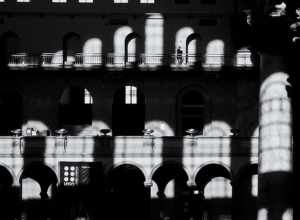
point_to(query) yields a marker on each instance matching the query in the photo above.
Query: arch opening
(132, 45)
(192, 48)
(128, 196)
(78, 98)
(41, 174)
(172, 191)
(128, 111)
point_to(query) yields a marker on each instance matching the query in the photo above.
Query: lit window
(120, 1)
(59, 1)
(85, 1)
(147, 1)
(23, 0)
(88, 99)
(243, 58)
(1, 0)
(130, 95)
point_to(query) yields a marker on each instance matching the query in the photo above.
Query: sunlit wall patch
(160, 128)
(275, 125)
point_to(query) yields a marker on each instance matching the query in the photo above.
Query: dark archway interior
(72, 98)
(128, 194)
(191, 111)
(6, 178)
(164, 174)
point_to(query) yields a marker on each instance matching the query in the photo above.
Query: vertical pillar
(161, 196)
(275, 145)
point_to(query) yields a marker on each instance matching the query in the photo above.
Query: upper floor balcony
(119, 61)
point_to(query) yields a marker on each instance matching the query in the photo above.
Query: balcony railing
(85, 61)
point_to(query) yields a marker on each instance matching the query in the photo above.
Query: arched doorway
(213, 183)
(132, 46)
(172, 191)
(192, 48)
(128, 110)
(129, 197)
(71, 46)
(9, 45)
(10, 112)
(191, 113)
(78, 98)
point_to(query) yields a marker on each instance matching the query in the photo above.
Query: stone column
(275, 122)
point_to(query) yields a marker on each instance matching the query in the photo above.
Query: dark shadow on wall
(245, 192)
(171, 169)
(9, 44)
(10, 112)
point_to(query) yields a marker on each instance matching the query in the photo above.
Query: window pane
(59, 1)
(147, 1)
(120, 1)
(130, 95)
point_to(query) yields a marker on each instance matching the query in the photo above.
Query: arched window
(192, 53)
(243, 58)
(181, 40)
(75, 107)
(119, 44)
(10, 112)
(128, 111)
(191, 111)
(92, 52)
(215, 53)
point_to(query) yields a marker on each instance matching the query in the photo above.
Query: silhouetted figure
(179, 55)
